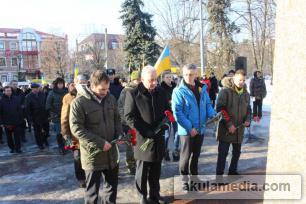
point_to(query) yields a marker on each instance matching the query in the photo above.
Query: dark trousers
(79, 172)
(222, 154)
(213, 103)
(189, 155)
(1, 134)
(41, 132)
(93, 179)
(13, 138)
(148, 172)
(257, 108)
(23, 135)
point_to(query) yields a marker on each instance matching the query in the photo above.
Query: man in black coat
(35, 108)
(11, 118)
(144, 110)
(115, 87)
(21, 95)
(214, 89)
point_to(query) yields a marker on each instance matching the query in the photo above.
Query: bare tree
(54, 57)
(259, 20)
(178, 26)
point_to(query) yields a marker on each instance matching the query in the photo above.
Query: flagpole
(202, 39)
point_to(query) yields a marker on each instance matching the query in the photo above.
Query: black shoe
(167, 157)
(18, 151)
(1, 142)
(176, 156)
(12, 151)
(41, 147)
(143, 200)
(23, 140)
(157, 201)
(132, 171)
(47, 143)
(82, 184)
(234, 173)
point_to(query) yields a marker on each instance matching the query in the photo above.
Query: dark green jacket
(239, 109)
(54, 104)
(94, 123)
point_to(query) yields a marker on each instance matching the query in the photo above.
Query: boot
(176, 155)
(167, 157)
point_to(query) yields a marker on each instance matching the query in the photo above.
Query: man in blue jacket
(191, 108)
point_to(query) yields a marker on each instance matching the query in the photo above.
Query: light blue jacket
(187, 112)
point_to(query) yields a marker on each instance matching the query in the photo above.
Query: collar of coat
(228, 82)
(87, 93)
(143, 90)
(199, 85)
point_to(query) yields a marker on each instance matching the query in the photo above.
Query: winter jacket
(188, 112)
(94, 123)
(10, 110)
(258, 88)
(144, 111)
(168, 90)
(121, 101)
(65, 128)
(35, 108)
(54, 104)
(238, 108)
(214, 89)
(19, 93)
(115, 89)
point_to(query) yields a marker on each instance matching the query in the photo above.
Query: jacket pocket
(93, 116)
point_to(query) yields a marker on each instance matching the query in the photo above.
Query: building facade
(20, 53)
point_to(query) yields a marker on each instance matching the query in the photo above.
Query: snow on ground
(44, 176)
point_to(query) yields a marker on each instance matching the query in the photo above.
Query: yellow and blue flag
(163, 63)
(76, 70)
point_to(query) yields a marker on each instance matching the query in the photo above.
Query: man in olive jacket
(234, 102)
(144, 110)
(95, 121)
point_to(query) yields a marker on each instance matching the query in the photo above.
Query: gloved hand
(164, 127)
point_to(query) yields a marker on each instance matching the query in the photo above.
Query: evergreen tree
(222, 30)
(139, 44)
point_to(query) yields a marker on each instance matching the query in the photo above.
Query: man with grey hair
(144, 110)
(79, 80)
(191, 108)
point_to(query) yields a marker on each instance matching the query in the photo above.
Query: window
(14, 62)
(13, 46)
(3, 78)
(29, 42)
(115, 45)
(2, 62)
(1, 45)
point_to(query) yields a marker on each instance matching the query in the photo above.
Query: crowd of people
(93, 112)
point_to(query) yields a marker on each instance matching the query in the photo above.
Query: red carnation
(225, 115)
(169, 116)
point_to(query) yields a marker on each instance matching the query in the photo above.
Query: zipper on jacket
(238, 117)
(153, 107)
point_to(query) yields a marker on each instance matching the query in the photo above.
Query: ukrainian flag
(163, 63)
(76, 70)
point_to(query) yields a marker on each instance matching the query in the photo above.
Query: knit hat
(135, 75)
(34, 85)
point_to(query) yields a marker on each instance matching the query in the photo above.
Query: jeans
(173, 130)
